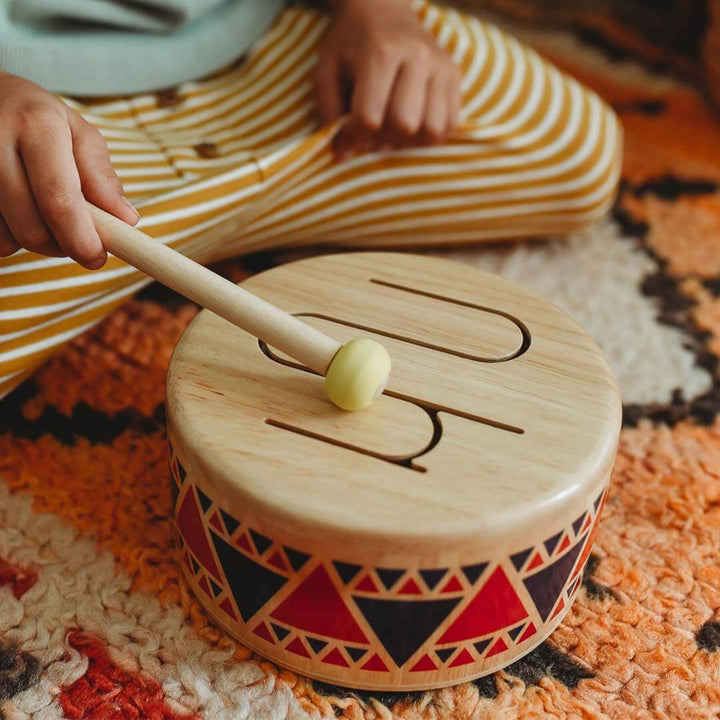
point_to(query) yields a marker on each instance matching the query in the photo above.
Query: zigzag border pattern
(343, 616)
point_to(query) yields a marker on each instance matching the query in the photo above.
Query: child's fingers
(437, 113)
(408, 100)
(18, 208)
(328, 87)
(46, 151)
(8, 244)
(454, 97)
(354, 138)
(374, 80)
(100, 184)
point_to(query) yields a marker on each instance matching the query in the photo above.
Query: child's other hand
(50, 160)
(378, 64)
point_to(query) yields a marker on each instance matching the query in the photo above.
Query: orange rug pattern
(97, 622)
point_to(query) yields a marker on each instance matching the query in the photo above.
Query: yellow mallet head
(357, 374)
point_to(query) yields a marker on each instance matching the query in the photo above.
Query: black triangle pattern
(215, 587)
(545, 586)
(551, 543)
(182, 473)
(515, 631)
(297, 559)
(316, 644)
(195, 565)
(518, 559)
(473, 572)
(390, 620)
(578, 523)
(280, 631)
(355, 653)
(242, 573)
(347, 571)
(174, 492)
(433, 577)
(231, 524)
(445, 653)
(482, 645)
(261, 542)
(597, 500)
(205, 501)
(389, 576)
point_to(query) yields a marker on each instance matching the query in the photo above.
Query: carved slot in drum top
(486, 326)
(429, 407)
(400, 461)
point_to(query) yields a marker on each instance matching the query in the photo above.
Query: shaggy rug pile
(97, 622)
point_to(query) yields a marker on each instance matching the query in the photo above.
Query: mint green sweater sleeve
(118, 47)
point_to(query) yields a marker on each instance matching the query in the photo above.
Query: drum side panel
(392, 625)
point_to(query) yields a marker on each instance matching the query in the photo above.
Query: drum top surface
(500, 412)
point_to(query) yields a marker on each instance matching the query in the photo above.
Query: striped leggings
(237, 163)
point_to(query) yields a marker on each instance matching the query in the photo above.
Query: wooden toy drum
(436, 536)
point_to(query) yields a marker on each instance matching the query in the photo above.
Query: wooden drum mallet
(355, 372)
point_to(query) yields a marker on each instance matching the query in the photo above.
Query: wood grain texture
(497, 431)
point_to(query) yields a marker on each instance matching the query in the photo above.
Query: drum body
(433, 538)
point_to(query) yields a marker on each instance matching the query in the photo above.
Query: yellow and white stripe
(238, 163)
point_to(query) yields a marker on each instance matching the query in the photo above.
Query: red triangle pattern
(452, 585)
(277, 561)
(464, 658)
(316, 607)
(205, 586)
(564, 545)
(263, 631)
(495, 606)
(499, 646)
(537, 561)
(227, 608)
(191, 527)
(410, 588)
(216, 522)
(335, 658)
(530, 630)
(366, 585)
(375, 663)
(244, 543)
(558, 609)
(297, 647)
(424, 663)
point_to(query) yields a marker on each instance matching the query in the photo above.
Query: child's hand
(50, 157)
(379, 64)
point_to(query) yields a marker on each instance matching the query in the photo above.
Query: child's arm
(378, 64)
(50, 157)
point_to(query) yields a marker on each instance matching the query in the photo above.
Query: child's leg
(536, 154)
(236, 163)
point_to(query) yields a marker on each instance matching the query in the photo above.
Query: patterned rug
(97, 622)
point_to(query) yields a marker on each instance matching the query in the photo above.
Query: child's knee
(597, 179)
